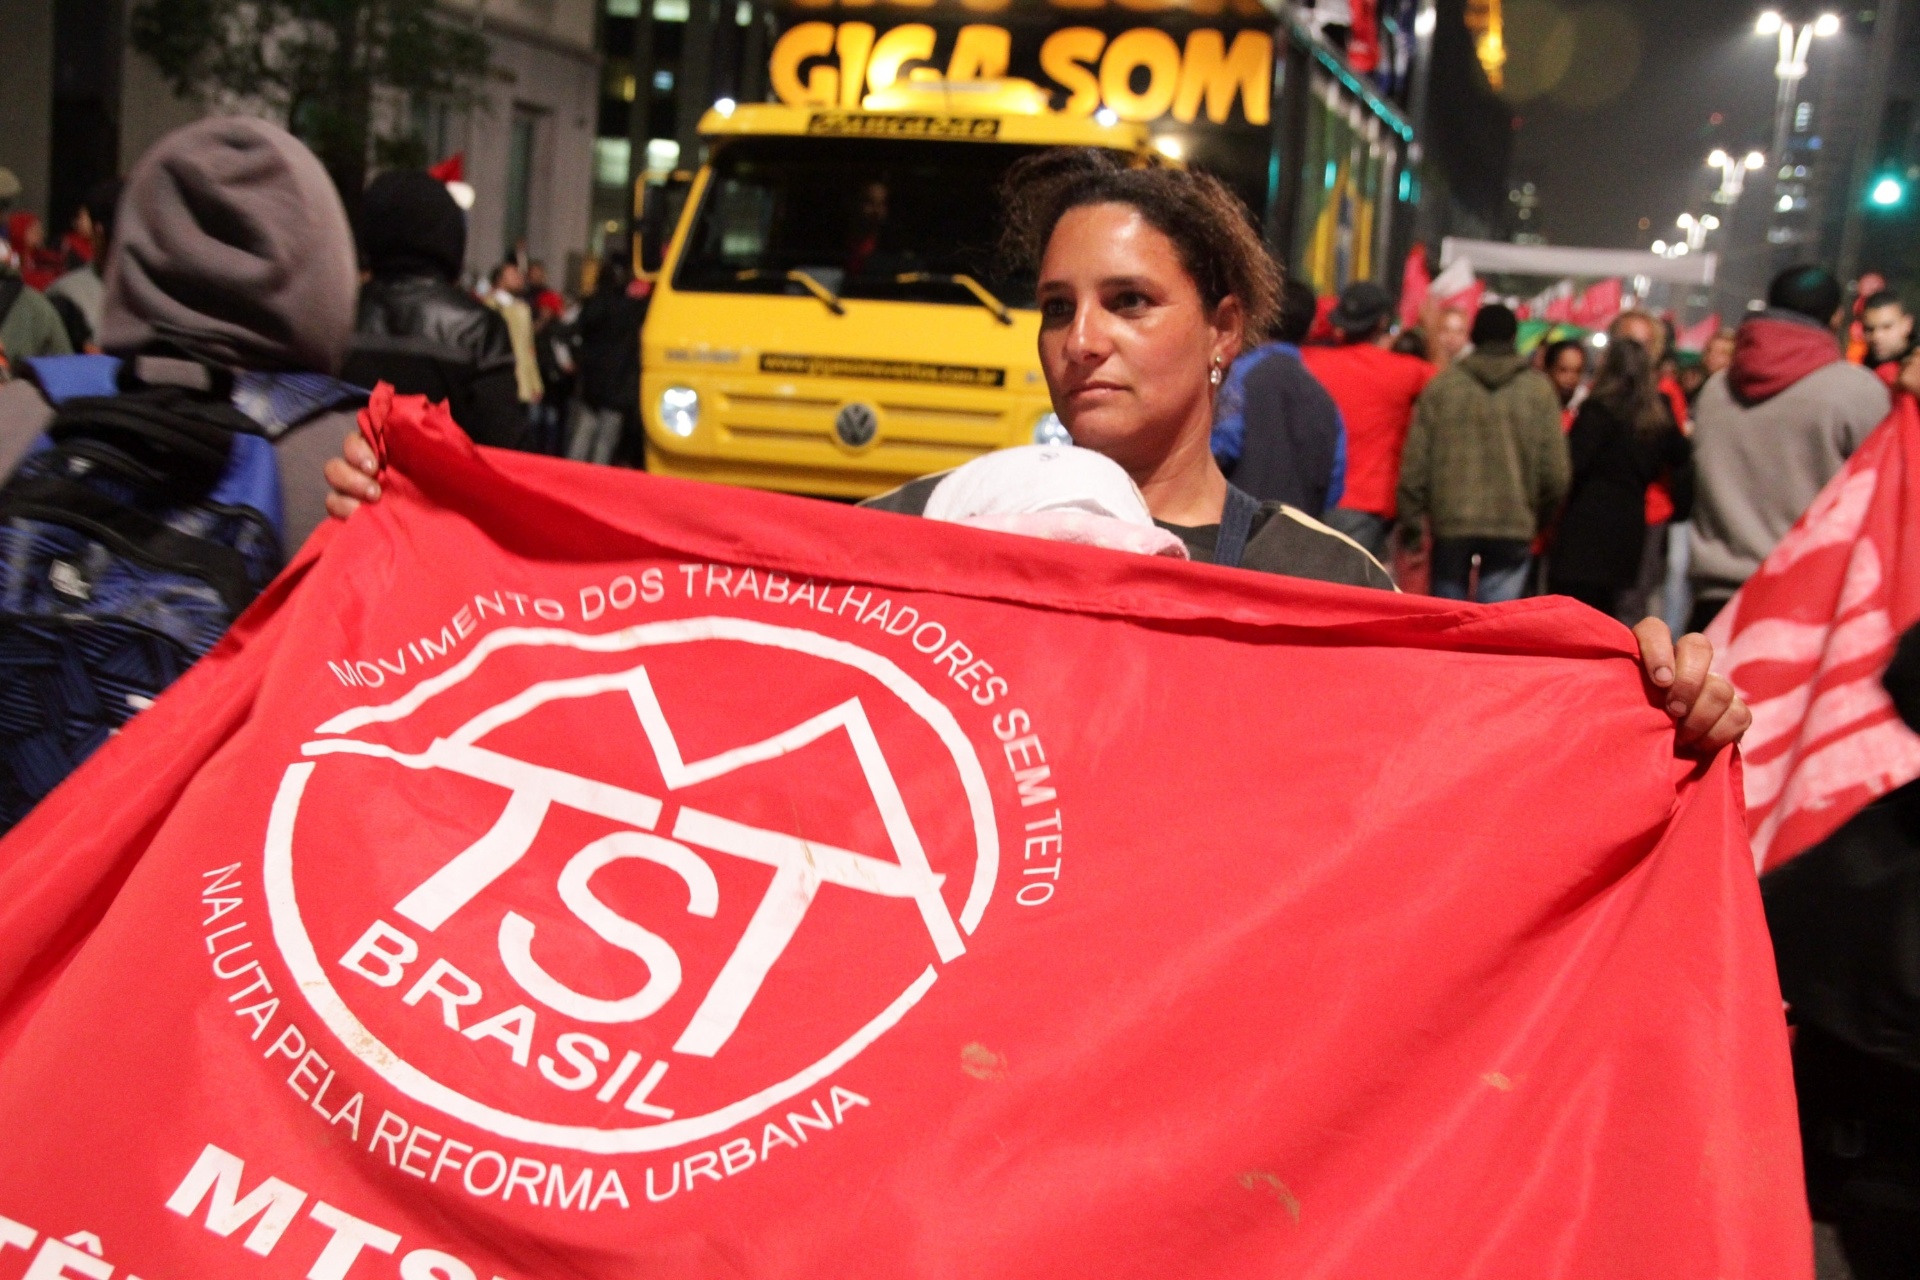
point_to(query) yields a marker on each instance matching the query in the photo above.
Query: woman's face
(1126, 341)
(1568, 368)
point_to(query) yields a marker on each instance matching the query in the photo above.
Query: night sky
(1617, 100)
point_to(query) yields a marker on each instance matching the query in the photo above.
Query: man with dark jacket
(418, 330)
(1845, 920)
(1772, 430)
(1276, 432)
(1486, 463)
(608, 330)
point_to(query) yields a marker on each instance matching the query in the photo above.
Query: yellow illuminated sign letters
(844, 62)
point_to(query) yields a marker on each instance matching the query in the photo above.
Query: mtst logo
(622, 892)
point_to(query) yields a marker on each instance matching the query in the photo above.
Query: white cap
(1035, 478)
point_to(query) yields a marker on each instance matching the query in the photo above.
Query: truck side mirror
(653, 231)
(657, 213)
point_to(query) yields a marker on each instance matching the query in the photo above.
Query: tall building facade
(78, 106)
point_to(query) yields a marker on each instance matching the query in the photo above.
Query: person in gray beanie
(233, 263)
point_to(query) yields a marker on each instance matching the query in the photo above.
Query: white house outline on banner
(800, 866)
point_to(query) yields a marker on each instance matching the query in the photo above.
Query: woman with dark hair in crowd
(1623, 439)
(1565, 364)
(1148, 281)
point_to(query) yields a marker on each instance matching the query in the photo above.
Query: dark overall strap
(1236, 525)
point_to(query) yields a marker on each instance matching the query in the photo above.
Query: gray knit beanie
(232, 246)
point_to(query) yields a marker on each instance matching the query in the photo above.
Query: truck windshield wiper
(805, 281)
(967, 282)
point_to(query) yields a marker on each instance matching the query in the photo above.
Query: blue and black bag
(131, 537)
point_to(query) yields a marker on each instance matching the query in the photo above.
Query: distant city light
(1888, 192)
(1680, 251)
(1659, 246)
(1425, 21)
(1755, 159)
(1599, 339)
(1719, 159)
(1827, 24)
(1769, 24)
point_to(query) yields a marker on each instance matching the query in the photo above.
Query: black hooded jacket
(418, 330)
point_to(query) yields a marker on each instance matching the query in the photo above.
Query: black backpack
(131, 537)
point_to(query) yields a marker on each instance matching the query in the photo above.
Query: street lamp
(1791, 69)
(1696, 229)
(1733, 173)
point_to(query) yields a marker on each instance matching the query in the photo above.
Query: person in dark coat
(1623, 438)
(415, 327)
(1276, 431)
(607, 331)
(1845, 919)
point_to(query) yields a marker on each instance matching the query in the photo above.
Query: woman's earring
(1214, 377)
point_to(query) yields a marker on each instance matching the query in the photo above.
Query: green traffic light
(1888, 192)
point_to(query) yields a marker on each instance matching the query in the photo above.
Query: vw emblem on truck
(856, 425)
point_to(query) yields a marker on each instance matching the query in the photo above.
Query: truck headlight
(1048, 429)
(680, 410)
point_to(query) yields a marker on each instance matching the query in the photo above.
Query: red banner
(1415, 283)
(564, 872)
(1696, 337)
(1809, 636)
(1363, 38)
(1598, 305)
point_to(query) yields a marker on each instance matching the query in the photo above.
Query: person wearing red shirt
(1375, 389)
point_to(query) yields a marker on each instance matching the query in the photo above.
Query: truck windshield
(855, 216)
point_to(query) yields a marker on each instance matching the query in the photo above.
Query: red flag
(1808, 637)
(567, 872)
(1468, 299)
(1696, 337)
(1598, 305)
(1414, 286)
(1363, 38)
(1458, 288)
(1560, 305)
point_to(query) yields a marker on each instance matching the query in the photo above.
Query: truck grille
(945, 434)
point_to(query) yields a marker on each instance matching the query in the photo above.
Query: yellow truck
(828, 317)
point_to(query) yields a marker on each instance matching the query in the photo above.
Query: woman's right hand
(350, 477)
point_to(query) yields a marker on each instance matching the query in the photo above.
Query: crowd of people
(1329, 440)
(1617, 470)
(523, 366)
(217, 319)
(1464, 466)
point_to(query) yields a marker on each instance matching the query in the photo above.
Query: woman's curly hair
(1209, 225)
